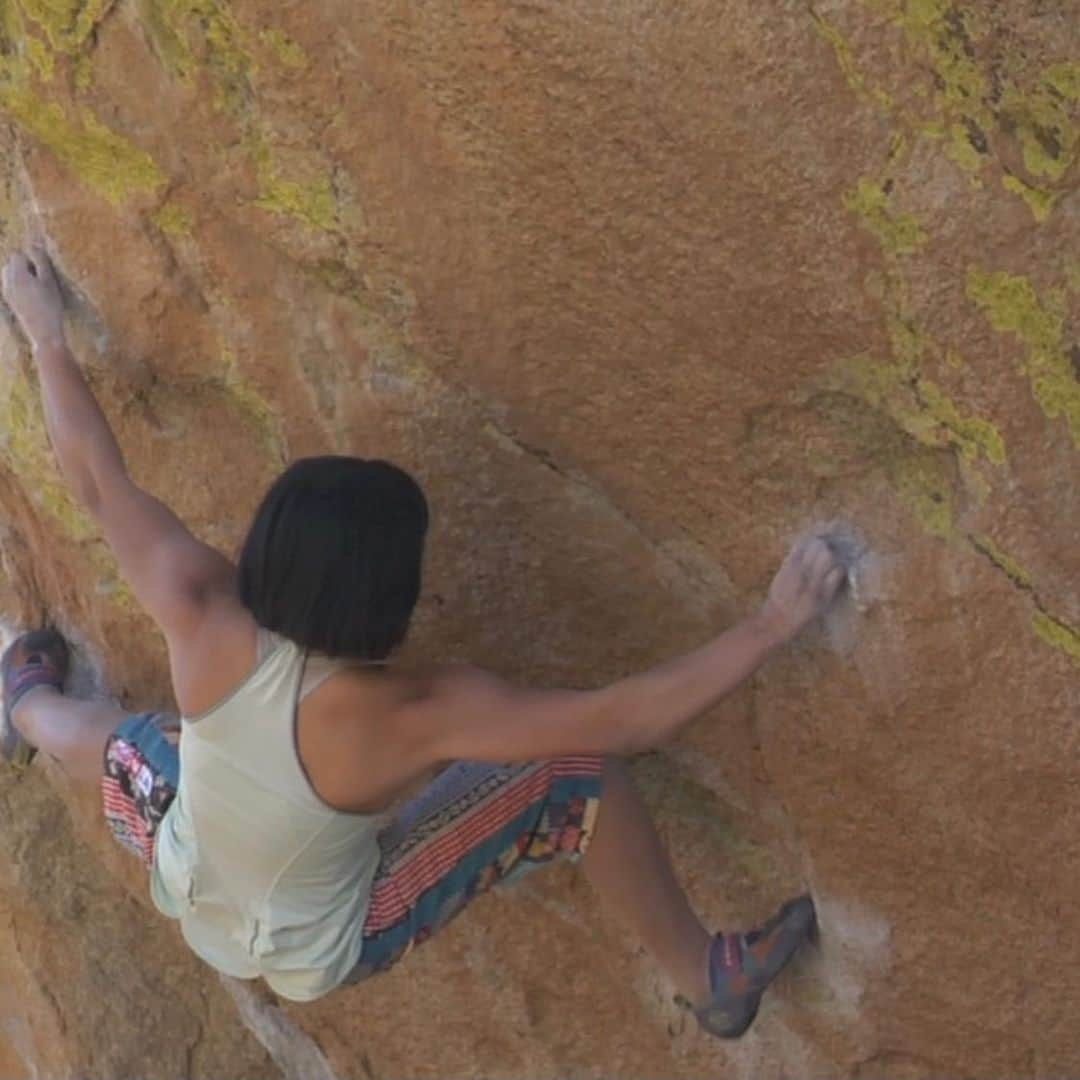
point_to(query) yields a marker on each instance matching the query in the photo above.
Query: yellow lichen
(1012, 305)
(960, 150)
(941, 31)
(25, 445)
(252, 406)
(1057, 633)
(1001, 559)
(172, 219)
(909, 343)
(165, 23)
(927, 492)
(27, 451)
(170, 24)
(1040, 121)
(288, 52)
(970, 435)
(311, 202)
(1041, 203)
(897, 232)
(98, 156)
(66, 23)
(40, 57)
(846, 60)
(921, 409)
(1072, 272)
(1064, 79)
(83, 72)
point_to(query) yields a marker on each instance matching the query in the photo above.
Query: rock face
(639, 291)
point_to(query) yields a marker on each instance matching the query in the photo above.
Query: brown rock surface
(639, 290)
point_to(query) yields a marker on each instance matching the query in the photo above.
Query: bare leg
(628, 866)
(72, 732)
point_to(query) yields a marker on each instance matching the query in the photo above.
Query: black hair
(333, 557)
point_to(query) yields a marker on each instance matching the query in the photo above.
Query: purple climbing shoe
(741, 966)
(39, 658)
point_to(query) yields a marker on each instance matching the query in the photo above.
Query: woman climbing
(260, 812)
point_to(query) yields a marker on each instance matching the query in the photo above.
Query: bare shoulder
(354, 738)
(448, 684)
(214, 655)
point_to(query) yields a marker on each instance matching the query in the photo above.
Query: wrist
(770, 626)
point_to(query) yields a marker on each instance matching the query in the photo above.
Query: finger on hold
(40, 263)
(835, 578)
(822, 559)
(801, 547)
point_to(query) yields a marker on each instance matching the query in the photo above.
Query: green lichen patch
(1064, 79)
(252, 407)
(173, 219)
(1058, 634)
(25, 448)
(287, 51)
(40, 56)
(921, 469)
(66, 23)
(24, 444)
(986, 546)
(1041, 203)
(972, 436)
(1041, 120)
(849, 68)
(921, 409)
(927, 490)
(941, 32)
(1072, 272)
(1012, 305)
(311, 202)
(897, 232)
(960, 149)
(172, 24)
(98, 156)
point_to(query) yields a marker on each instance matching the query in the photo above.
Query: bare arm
(168, 568)
(471, 714)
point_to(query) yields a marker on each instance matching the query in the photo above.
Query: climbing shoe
(39, 658)
(741, 966)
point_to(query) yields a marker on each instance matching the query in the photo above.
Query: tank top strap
(265, 642)
(317, 669)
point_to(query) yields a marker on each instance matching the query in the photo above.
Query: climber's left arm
(171, 572)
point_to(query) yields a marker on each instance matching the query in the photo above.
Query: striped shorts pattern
(474, 827)
(142, 771)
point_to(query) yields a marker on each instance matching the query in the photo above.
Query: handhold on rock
(849, 545)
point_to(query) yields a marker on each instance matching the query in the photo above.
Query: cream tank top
(264, 877)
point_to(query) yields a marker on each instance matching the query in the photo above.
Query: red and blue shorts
(473, 827)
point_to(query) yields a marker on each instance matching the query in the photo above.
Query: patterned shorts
(473, 827)
(142, 771)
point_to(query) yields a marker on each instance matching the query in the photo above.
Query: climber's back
(267, 853)
(265, 877)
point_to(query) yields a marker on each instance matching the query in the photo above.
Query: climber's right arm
(170, 571)
(470, 714)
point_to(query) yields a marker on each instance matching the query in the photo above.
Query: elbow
(87, 495)
(620, 727)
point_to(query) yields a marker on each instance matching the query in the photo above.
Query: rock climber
(263, 811)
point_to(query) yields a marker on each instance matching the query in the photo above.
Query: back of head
(333, 557)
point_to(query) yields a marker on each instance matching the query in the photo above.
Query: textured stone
(640, 291)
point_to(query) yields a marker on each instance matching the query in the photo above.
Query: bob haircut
(333, 557)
